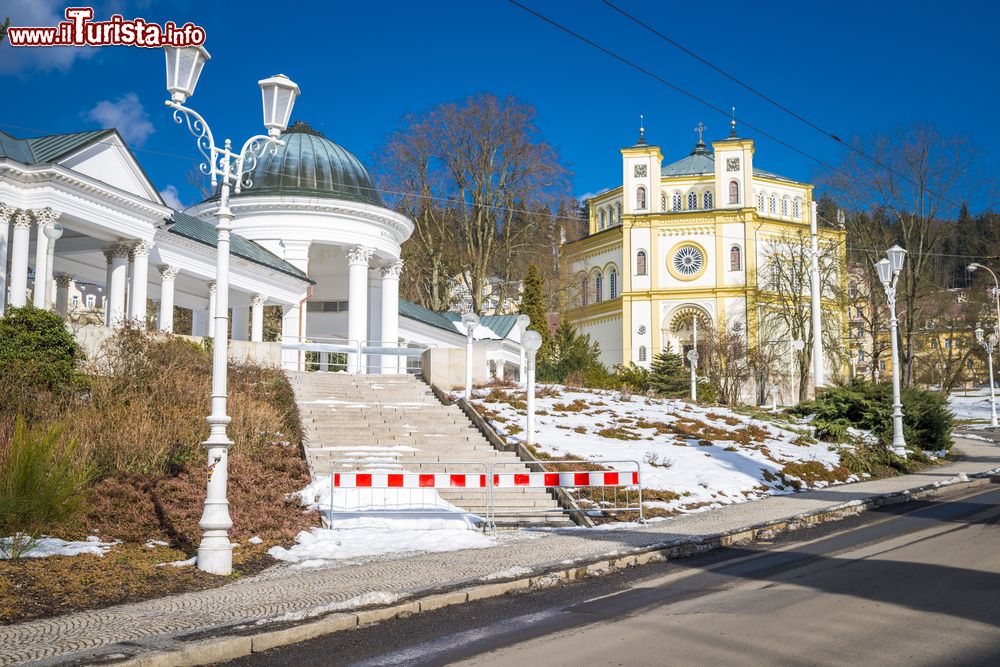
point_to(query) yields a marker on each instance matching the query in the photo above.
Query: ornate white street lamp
(184, 65)
(888, 273)
(819, 373)
(471, 321)
(531, 341)
(522, 322)
(989, 344)
(996, 289)
(692, 357)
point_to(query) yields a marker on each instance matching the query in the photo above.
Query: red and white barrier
(406, 480)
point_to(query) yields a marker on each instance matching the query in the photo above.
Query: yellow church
(686, 245)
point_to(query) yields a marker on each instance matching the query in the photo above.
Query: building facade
(689, 245)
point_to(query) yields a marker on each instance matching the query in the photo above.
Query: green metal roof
(499, 324)
(204, 232)
(701, 162)
(43, 150)
(310, 164)
(427, 316)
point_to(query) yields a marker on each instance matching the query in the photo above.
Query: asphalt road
(917, 584)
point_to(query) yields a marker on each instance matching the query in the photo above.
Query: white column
(211, 308)
(357, 302)
(257, 318)
(390, 314)
(19, 260)
(167, 275)
(42, 218)
(118, 253)
(6, 215)
(107, 288)
(140, 280)
(241, 323)
(62, 281)
(498, 369)
(53, 232)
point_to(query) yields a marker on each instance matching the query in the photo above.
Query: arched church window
(613, 283)
(734, 192)
(642, 353)
(640, 263)
(598, 288)
(760, 202)
(708, 200)
(772, 205)
(663, 201)
(784, 207)
(619, 218)
(692, 200)
(797, 209)
(735, 259)
(602, 223)
(675, 201)
(585, 291)
(640, 198)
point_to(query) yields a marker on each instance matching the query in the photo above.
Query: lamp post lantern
(531, 341)
(989, 344)
(996, 289)
(471, 321)
(184, 66)
(522, 322)
(889, 269)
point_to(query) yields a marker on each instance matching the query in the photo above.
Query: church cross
(701, 128)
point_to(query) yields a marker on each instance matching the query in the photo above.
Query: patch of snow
(152, 544)
(509, 573)
(319, 545)
(971, 405)
(255, 540)
(53, 546)
(193, 560)
(365, 600)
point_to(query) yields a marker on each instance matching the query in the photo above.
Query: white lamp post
(989, 344)
(522, 321)
(996, 288)
(184, 65)
(888, 273)
(53, 232)
(471, 321)
(817, 329)
(531, 341)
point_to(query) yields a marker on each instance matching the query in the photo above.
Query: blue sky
(852, 67)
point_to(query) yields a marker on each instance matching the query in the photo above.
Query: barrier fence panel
(362, 486)
(606, 490)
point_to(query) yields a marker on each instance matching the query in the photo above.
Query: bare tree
(728, 364)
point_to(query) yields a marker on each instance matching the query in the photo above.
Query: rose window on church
(688, 261)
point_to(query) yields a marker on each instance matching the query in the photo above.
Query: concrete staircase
(398, 420)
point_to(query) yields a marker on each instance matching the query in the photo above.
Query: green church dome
(309, 164)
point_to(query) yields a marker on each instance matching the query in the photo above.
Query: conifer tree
(668, 377)
(533, 305)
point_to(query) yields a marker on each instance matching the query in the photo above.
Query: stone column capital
(141, 248)
(6, 212)
(63, 279)
(117, 251)
(168, 272)
(22, 220)
(359, 255)
(392, 270)
(44, 216)
(257, 300)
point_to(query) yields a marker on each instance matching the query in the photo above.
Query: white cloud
(41, 13)
(172, 197)
(127, 115)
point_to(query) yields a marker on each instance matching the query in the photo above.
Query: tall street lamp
(989, 344)
(471, 321)
(184, 65)
(819, 373)
(692, 357)
(522, 323)
(531, 341)
(996, 288)
(888, 273)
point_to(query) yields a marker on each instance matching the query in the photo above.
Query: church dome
(309, 164)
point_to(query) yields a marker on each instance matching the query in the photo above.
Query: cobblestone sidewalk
(284, 593)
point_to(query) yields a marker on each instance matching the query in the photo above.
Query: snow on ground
(971, 405)
(53, 546)
(705, 457)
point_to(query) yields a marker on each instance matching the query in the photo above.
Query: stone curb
(218, 649)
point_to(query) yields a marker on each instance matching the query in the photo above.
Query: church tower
(641, 176)
(734, 170)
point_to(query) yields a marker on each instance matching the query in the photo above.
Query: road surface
(918, 584)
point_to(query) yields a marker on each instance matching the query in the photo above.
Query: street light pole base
(215, 554)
